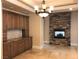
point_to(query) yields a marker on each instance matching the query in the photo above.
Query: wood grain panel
(15, 21)
(6, 50)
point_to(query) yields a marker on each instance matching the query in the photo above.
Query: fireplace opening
(59, 33)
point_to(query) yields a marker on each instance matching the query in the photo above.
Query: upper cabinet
(14, 21)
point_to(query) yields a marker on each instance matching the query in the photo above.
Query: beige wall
(36, 31)
(34, 28)
(74, 28)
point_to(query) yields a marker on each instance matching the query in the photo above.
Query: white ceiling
(58, 4)
(49, 2)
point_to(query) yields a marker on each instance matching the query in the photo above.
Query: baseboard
(37, 47)
(74, 44)
(46, 41)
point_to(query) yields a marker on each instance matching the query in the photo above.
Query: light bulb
(43, 6)
(70, 9)
(35, 7)
(51, 8)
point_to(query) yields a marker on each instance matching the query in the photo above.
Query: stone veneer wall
(62, 21)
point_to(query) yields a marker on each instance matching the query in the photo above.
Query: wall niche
(60, 21)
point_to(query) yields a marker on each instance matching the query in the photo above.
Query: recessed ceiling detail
(49, 2)
(58, 4)
(28, 5)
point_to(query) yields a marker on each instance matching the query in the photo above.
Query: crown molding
(66, 4)
(14, 11)
(62, 5)
(26, 4)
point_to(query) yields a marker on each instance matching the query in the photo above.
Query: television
(59, 33)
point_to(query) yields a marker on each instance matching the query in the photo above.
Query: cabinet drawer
(6, 50)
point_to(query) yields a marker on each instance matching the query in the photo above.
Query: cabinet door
(13, 20)
(17, 47)
(21, 46)
(28, 43)
(26, 25)
(9, 21)
(4, 20)
(21, 22)
(14, 48)
(6, 50)
(4, 26)
(16, 21)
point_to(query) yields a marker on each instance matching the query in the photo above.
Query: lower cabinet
(28, 43)
(6, 50)
(21, 46)
(16, 47)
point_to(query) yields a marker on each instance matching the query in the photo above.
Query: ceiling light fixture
(70, 9)
(43, 11)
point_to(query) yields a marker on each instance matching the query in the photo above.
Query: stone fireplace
(59, 28)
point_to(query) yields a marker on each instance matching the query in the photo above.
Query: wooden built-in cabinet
(6, 50)
(14, 21)
(13, 47)
(17, 47)
(28, 43)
